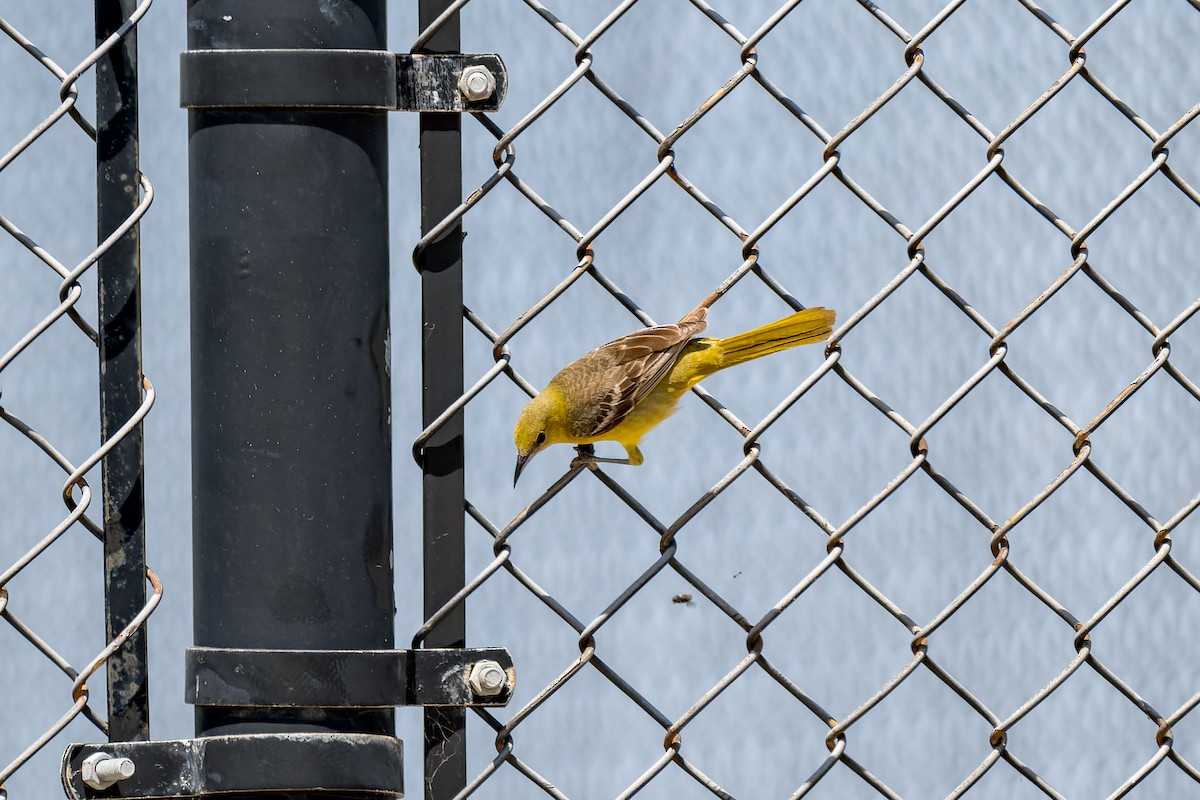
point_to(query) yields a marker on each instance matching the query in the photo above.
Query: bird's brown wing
(627, 369)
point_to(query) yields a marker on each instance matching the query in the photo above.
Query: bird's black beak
(521, 462)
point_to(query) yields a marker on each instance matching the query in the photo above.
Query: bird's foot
(587, 458)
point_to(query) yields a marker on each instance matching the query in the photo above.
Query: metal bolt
(476, 83)
(487, 678)
(100, 770)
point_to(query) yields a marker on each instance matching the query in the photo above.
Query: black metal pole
(120, 329)
(442, 381)
(291, 438)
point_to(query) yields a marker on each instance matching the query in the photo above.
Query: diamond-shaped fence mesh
(946, 556)
(44, 334)
(930, 583)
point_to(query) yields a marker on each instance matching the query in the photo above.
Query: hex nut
(487, 678)
(101, 770)
(476, 83)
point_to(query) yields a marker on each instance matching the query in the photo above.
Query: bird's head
(541, 424)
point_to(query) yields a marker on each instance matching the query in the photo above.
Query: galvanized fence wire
(77, 493)
(913, 76)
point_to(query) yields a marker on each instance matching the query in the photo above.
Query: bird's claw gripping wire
(586, 457)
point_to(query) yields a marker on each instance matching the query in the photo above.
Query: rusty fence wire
(1001, 729)
(51, 345)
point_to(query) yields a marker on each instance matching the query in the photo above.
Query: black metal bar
(291, 430)
(288, 78)
(246, 766)
(350, 79)
(343, 678)
(120, 328)
(442, 379)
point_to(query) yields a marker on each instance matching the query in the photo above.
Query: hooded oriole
(620, 391)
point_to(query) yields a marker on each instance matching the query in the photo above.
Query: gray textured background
(751, 545)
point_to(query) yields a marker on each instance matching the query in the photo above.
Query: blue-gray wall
(751, 545)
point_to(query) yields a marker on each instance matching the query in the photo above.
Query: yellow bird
(620, 391)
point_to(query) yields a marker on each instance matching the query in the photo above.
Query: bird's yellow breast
(660, 404)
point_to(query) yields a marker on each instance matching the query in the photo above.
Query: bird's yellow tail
(803, 327)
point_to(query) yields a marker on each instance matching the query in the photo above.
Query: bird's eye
(541, 437)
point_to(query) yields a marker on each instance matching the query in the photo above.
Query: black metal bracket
(341, 79)
(482, 676)
(248, 764)
(232, 766)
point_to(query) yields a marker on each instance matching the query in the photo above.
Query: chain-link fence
(956, 537)
(50, 340)
(939, 561)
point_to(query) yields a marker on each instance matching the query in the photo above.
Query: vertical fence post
(120, 326)
(291, 428)
(442, 381)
